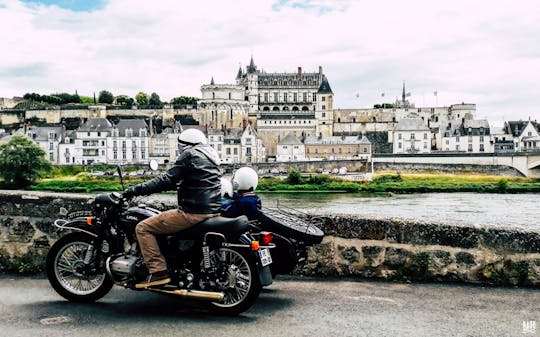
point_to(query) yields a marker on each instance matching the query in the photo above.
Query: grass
(79, 181)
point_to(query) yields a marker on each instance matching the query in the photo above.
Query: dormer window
(129, 133)
(142, 132)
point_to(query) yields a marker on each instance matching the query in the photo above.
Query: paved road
(290, 307)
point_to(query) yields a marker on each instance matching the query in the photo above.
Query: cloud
(460, 48)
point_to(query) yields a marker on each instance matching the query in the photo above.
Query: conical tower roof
(252, 67)
(324, 88)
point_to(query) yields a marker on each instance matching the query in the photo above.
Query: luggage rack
(294, 219)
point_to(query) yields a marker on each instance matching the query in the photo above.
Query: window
(399, 145)
(52, 135)
(235, 151)
(457, 138)
(129, 133)
(314, 97)
(481, 139)
(228, 151)
(412, 136)
(295, 97)
(230, 96)
(324, 107)
(276, 96)
(324, 113)
(470, 139)
(265, 97)
(399, 136)
(51, 146)
(304, 97)
(284, 147)
(323, 98)
(285, 96)
(457, 147)
(143, 133)
(481, 147)
(447, 141)
(425, 135)
(470, 148)
(425, 145)
(51, 156)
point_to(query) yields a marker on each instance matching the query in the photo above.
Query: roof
(476, 126)
(290, 139)
(411, 124)
(347, 140)
(134, 124)
(42, 132)
(233, 133)
(516, 127)
(324, 88)
(96, 124)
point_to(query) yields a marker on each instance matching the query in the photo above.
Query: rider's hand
(130, 192)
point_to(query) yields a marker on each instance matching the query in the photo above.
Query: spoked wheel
(238, 279)
(70, 276)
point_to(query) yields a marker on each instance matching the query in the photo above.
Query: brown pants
(167, 222)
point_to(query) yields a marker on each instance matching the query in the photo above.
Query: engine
(126, 267)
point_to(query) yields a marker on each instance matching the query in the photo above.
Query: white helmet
(245, 179)
(192, 137)
(226, 188)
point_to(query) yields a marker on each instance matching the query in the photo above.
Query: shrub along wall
(391, 249)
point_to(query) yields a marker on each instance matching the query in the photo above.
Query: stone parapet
(386, 248)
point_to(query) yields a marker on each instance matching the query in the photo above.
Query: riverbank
(294, 182)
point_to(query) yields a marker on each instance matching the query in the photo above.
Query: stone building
(290, 148)
(468, 136)
(411, 135)
(526, 135)
(337, 147)
(128, 142)
(48, 138)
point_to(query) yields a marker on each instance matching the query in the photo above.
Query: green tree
(105, 97)
(141, 98)
(154, 99)
(124, 100)
(184, 100)
(22, 161)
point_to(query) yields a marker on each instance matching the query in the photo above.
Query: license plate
(266, 258)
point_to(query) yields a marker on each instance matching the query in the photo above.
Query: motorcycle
(222, 261)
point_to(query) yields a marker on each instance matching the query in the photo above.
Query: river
(516, 210)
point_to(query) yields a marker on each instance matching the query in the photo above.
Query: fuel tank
(133, 215)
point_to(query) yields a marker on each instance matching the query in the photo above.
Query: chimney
(244, 124)
(299, 72)
(320, 70)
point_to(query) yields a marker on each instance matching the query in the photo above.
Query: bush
(294, 177)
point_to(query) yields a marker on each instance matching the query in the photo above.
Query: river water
(521, 210)
(516, 210)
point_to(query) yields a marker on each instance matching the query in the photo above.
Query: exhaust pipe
(194, 294)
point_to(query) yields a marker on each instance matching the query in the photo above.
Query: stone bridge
(527, 164)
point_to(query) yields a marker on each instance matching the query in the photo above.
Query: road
(290, 307)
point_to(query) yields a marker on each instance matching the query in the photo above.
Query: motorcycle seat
(230, 227)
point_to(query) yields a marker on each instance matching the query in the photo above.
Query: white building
(91, 141)
(526, 135)
(128, 142)
(253, 150)
(290, 148)
(48, 138)
(468, 136)
(411, 135)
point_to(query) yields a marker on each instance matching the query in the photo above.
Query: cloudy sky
(483, 52)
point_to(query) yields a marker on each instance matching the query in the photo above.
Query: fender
(78, 224)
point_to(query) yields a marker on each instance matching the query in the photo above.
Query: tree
(105, 97)
(22, 161)
(141, 98)
(124, 100)
(154, 99)
(184, 100)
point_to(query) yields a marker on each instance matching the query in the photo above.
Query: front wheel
(70, 276)
(238, 279)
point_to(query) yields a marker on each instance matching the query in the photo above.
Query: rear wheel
(70, 276)
(237, 278)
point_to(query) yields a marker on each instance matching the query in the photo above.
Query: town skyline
(465, 52)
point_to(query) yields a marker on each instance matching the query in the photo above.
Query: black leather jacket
(196, 177)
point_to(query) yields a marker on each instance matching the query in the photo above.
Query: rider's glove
(130, 192)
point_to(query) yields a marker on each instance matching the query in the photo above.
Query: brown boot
(155, 279)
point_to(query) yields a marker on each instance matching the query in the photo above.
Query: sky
(471, 51)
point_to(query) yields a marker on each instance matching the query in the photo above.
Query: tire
(240, 296)
(291, 226)
(68, 279)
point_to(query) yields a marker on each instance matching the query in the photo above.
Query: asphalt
(290, 307)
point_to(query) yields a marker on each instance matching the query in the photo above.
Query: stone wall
(384, 248)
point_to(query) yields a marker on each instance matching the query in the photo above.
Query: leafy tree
(141, 98)
(22, 161)
(154, 99)
(185, 100)
(105, 97)
(124, 100)
(87, 99)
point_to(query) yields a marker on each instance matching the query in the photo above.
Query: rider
(245, 201)
(196, 176)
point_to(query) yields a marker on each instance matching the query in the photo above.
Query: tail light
(89, 221)
(265, 238)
